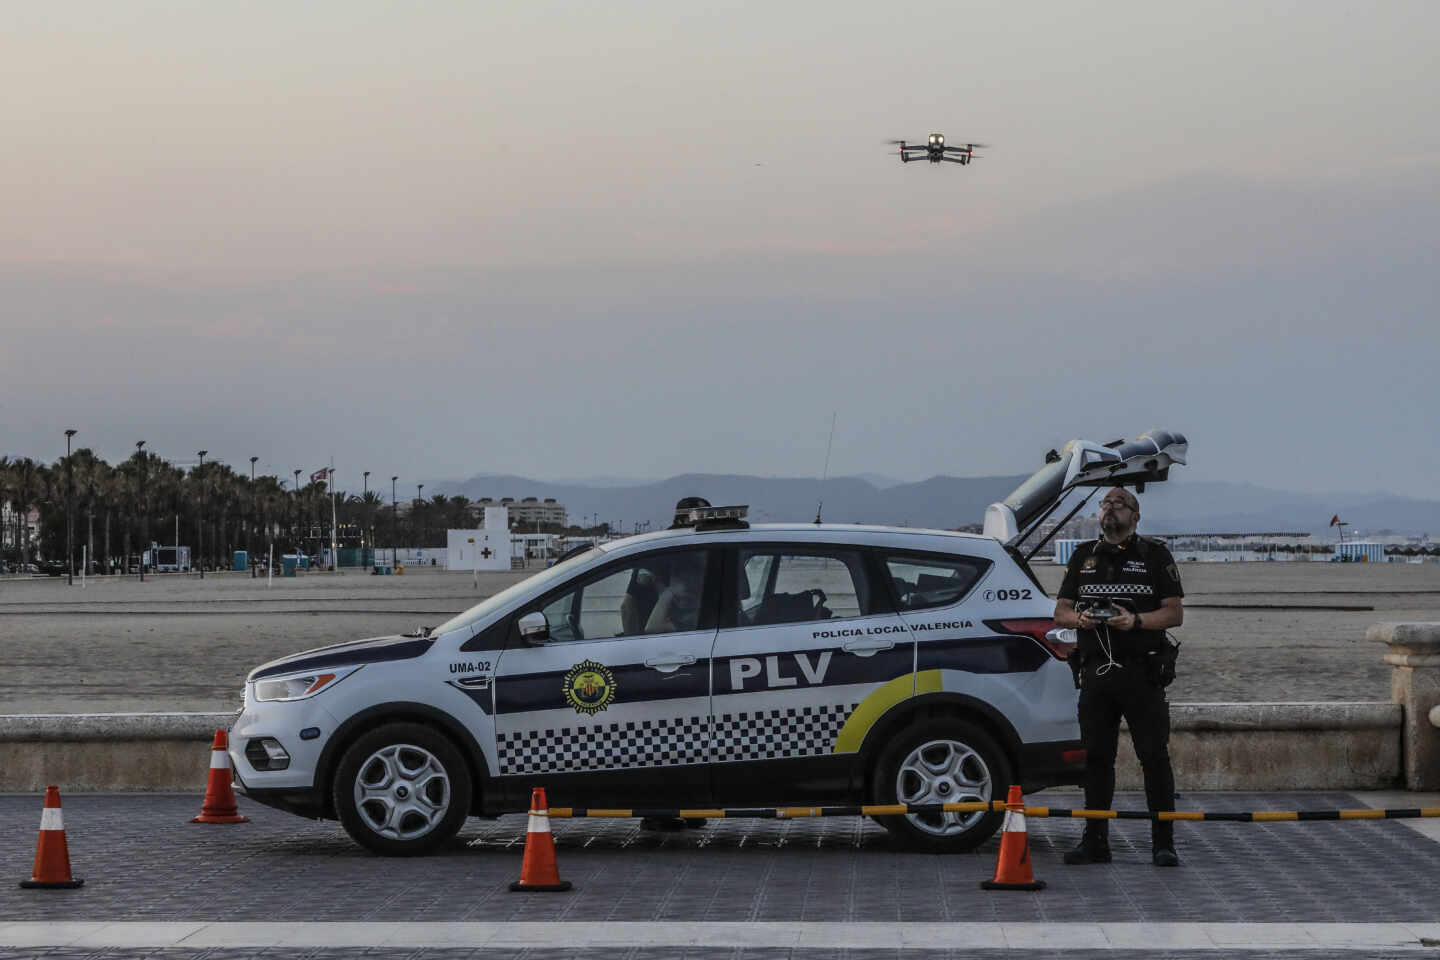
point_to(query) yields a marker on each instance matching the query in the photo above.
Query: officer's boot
(1162, 844)
(1094, 846)
(663, 824)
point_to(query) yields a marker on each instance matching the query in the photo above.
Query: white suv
(712, 664)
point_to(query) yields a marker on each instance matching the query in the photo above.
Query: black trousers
(1123, 691)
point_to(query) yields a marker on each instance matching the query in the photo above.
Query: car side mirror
(534, 630)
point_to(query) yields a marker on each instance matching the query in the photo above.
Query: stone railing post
(1414, 652)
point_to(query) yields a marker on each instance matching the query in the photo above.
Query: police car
(713, 664)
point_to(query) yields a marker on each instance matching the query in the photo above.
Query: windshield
(537, 583)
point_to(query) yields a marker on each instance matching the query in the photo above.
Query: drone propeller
(982, 146)
(894, 142)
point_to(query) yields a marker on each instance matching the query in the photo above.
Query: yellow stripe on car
(873, 707)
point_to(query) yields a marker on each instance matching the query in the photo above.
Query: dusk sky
(642, 238)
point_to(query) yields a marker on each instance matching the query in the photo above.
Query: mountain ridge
(947, 502)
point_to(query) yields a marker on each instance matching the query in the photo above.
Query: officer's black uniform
(1120, 676)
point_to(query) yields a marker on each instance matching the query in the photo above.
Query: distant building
(1215, 547)
(1079, 528)
(529, 511)
(533, 546)
(1065, 549)
(487, 548)
(1360, 551)
(10, 526)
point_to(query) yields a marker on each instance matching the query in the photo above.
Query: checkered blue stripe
(778, 734)
(1116, 589)
(603, 746)
(754, 735)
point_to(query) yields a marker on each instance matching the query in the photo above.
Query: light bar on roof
(692, 516)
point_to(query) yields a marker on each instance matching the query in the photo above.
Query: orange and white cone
(1012, 865)
(539, 872)
(219, 805)
(52, 856)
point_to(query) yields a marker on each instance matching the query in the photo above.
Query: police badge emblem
(589, 687)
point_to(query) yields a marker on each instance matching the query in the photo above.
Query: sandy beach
(1253, 631)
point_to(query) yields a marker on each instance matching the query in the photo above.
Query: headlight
(300, 685)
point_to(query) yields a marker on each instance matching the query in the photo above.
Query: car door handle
(866, 648)
(669, 662)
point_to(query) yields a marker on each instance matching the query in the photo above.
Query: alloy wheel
(402, 791)
(943, 771)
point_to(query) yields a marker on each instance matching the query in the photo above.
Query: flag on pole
(319, 475)
(1335, 519)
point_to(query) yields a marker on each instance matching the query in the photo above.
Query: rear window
(922, 581)
(795, 585)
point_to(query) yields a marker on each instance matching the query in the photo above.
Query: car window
(921, 582)
(657, 593)
(754, 576)
(799, 585)
(512, 593)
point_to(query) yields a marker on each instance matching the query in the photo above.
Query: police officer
(1122, 664)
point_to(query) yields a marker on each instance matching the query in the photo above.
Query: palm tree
(126, 500)
(457, 512)
(370, 503)
(226, 487)
(108, 490)
(89, 474)
(6, 483)
(272, 501)
(166, 488)
(27, 490)
(52, 509)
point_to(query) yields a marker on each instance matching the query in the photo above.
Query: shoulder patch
(1172, 572)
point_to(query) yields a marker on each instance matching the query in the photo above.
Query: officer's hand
(1084, 620)
(1124, 620)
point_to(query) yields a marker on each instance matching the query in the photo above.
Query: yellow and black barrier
(994, 806)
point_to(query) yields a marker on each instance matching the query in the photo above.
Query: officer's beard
(1114, 528)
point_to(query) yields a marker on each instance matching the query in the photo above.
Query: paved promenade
(157, 886)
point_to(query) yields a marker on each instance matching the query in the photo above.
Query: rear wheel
(402, 790)
(941, 761)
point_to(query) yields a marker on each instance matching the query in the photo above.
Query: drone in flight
(935, 150)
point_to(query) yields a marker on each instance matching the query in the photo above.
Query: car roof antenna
(826, 472)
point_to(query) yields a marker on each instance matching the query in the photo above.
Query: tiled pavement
(142, 861)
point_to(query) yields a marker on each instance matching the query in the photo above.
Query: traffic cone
(52, 857)
(539, 872)
(1012, 865)
(219, 805)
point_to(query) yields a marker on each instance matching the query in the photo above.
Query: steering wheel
(573, 622)
(817, 596)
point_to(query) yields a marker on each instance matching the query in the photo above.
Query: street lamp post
(366, 531)
(299, 518)
(201, 525)
(419, 506)
(144, 512)
(69, 512)
(394, 525)
(254, 512)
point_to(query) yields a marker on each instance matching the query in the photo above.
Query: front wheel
(941, 761)
(401, 790)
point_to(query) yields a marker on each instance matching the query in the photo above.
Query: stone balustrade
(1413, 651)
(1214, 746)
